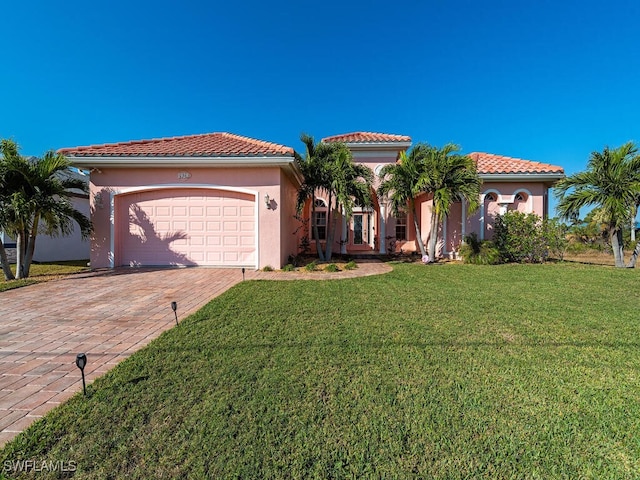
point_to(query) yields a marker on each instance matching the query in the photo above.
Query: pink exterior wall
(533, 201)
(288, 222)
(259, 181)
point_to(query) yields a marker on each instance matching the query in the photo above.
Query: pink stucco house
(226, 200)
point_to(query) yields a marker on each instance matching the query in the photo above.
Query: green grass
(445, 371)
(43, 272)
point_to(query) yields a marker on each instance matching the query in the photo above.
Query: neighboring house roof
(490, 164)
(367, 137)
(204, 145)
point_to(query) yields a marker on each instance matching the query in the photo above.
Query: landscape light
(174, 307)
(81, 362)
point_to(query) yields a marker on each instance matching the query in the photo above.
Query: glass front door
(361, 228)
(357, 229)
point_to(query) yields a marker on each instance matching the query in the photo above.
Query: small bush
(267, 268)
(332, 267)
(311, 267)
(289, 268)
(479, 253)
(352, 265)
(295, 260)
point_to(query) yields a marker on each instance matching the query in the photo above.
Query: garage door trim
(191, 186)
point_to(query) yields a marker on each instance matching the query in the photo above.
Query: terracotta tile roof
(367, 137)
(205, 145)
(489, 163)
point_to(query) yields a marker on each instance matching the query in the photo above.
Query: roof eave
(521, 177)
(178, 161)
(377, 145)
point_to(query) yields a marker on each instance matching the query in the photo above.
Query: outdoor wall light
(81, 362)
(243, 274)
(267, 200)
(174, 307)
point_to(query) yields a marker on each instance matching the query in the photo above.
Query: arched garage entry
(185, 226)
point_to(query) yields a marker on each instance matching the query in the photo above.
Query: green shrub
(478, 253)
(267, 268)
(519, 237)
(332, 267)
(295, 260)
(311, 267)
(555, 234)
(289, 268)
(352, 265)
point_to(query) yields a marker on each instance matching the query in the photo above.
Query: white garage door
(186, 227)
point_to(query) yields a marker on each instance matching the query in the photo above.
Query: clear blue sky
(543, 80)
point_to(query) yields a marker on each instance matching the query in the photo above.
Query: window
(319, 219)
(490, 197)
(519, 197)
(401, 226)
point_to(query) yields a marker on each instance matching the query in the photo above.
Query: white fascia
(521, 177)
(397, 146)
(144, 161)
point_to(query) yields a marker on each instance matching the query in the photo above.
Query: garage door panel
(196, 226)
(183, 227)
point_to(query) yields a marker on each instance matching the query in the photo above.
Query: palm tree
(350, 185)
(329, 168)
(448, 177)
(7, 149)
(401, 183)
(315, 173)
(611, 182)
(38, 200)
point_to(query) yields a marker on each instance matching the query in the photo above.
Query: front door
(361, 228)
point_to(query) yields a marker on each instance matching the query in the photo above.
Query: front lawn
(43, 272)
(444, 371)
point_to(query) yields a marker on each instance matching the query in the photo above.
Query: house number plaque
(183, 175)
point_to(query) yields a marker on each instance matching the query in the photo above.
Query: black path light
(174, 307)
(243, 274)
(81, 362)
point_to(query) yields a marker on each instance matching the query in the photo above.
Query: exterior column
(482, 217)
(444, 236)
(383, 228)
(343, 235)
(464, 219)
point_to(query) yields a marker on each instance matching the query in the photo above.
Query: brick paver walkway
(107, 315)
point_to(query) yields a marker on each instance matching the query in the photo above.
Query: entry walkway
(107, 315)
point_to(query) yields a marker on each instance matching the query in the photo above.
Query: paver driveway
(107, 315)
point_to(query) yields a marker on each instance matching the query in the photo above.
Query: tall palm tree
(40, 201)
(8, 149)
(350, 184)
(401, 184)
(329, 168)
(448, 177)
(611, 182)
(314, 170)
